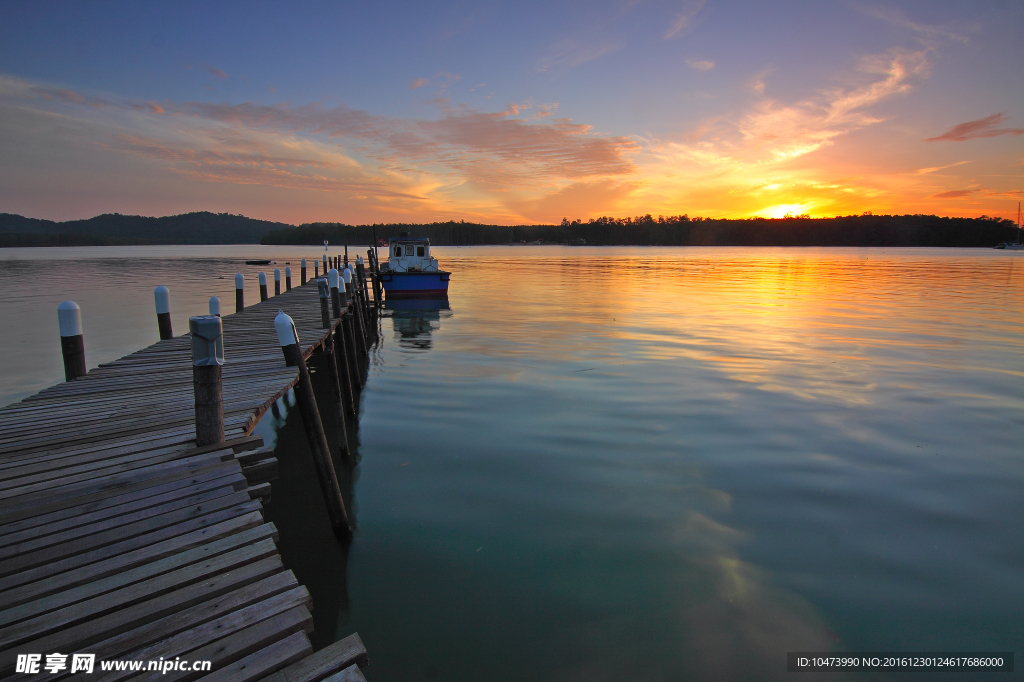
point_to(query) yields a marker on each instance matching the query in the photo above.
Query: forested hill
(114, 228)
(861, 230)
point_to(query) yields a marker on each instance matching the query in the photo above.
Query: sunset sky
(511, 112)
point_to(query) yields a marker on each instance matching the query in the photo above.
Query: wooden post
(360, 329)
(239, 293)
(316, 269)
(287, 279)
(215, 306)
(207, 360)
(325, 296)
(277, 281)
(263, 286)
(332, 364)
(346, 373)
(325, 264)
(163, 312)
(329, 487)
(355, 366)
(371, 328)
(332, 279)
(72, 343)
(302, 272)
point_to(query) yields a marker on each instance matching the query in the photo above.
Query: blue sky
(511, 112)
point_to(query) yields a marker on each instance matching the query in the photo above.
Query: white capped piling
(239, 293)
(215, 306)
(316, 269)
(207, 361)
(332, 279)
(287, 279)
(277, 281)
(263, 286)
(163, 312)
(346, 275)
(325, 296)
(302, 272)
(325, 264)
(289, 340)
(72, 343)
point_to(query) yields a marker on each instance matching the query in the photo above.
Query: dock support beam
(289, 340)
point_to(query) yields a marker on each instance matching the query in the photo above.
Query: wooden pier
(120, 537)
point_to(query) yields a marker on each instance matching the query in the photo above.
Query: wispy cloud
(418, 83)
(972, 130)
(572, 53)
(700, 64)
(757, 81)
(935, 169)
(683, 21)
(896, 17)
(955, 194)
(212, 70)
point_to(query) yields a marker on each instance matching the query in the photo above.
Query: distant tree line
(680, 230)
(109, 229)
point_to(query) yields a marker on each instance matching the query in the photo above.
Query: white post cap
(286, 333)
(263, 279)
(163, 300)
(277, 274)
(69, 319)
(347, 276)
(332, 278)
(214, 305)
(303, 262)
(207, 340)
(239, 281)
(359, 259)
(287, 272)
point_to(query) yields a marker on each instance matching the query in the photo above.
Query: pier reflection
(414, 320)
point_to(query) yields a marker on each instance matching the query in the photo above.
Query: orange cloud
(983, 127)
(418, 83)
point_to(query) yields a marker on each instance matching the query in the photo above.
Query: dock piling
(263, 286)
(302, 272)
(215, 306)
(316, 269)
(287, 279)
(72, 343)
(289, 340)
(207, 361)
(277, 281)
(163, 312)
(325, 295)
(332, 279)
(239, 293)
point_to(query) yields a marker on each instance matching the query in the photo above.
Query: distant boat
(411, 272)
(257, 262)
(1013, 246)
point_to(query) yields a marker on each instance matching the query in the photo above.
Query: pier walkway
(120, 538)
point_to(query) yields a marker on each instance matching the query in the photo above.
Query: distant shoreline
(198, 229)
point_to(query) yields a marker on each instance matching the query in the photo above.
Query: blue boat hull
(415, 284)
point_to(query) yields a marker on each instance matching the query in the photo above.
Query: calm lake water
(635, 463)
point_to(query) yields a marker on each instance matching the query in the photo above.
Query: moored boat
(411, 272)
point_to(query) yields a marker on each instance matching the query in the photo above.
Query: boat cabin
(410, 254)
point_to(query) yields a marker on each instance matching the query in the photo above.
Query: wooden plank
(265, 661)
(202, 632)
(349, 674)
(35, 585)
(46, 623)
(134, 643)
(235, 504)
(327, 661)
(77, 637)
(201, 527)
(124, 578)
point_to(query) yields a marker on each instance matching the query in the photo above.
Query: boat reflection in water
(414, 319)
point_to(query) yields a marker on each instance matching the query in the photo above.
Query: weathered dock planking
(120, 537)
